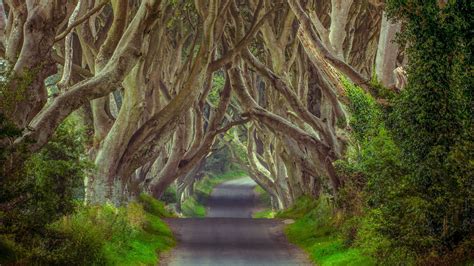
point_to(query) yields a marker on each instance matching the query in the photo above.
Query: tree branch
(81, 20)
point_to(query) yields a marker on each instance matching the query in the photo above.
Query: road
(229, 236)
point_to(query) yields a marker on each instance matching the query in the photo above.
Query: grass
(141, 247)
(192, 208)
(130, 235)
(315, 231)
(265, 200)
(155, 207)
(265, 214)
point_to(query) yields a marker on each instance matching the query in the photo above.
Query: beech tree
(140, 73)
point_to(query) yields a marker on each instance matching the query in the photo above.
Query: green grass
(266, 214)
(131, 235)
(303, 207)
(141, 247)
(192, 208)
(315, 232)
(266, 202)
(155, 207)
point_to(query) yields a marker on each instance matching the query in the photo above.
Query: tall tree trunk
(387, 52)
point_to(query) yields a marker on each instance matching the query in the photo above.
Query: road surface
(229, 236)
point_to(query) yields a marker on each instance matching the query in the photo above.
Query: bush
(81, 246)
(429, 212)
(414, 160)
(42, 190)
(43, 223)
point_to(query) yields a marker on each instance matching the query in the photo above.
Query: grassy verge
(265, 214)
(315, 231)
(192, 208)
(195, 205)
(105, 235)
(265, 202)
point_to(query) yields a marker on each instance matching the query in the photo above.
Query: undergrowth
(99, 235)
(192, 208)
(317, 230)
(131, 235)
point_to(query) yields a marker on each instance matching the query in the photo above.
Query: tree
(142, 72)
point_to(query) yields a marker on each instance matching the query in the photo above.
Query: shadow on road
(229, 236)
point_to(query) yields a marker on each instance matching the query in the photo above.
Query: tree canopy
(368, 103)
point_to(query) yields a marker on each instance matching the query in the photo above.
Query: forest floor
(229, 236)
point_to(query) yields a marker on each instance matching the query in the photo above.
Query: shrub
(416, 157)
(431, 210)
(42, 190)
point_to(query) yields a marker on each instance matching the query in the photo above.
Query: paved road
(233, 199)
(229, 236)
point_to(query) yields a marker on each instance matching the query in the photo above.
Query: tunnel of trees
(366, 104)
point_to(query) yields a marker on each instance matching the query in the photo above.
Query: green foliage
(263, 196)
(373, 161)
(153, 206)
(106, 235)
(413, 162)
(77, 244)
(380, 90)
(219, 162)
(432, 208)
(39, 192)
(95, 235)
(302, 206)
(193, 208)
(366, 117)
(138, 239)
(13, 86)
(7, 131)
(169, 196)
(265, 214)
(48, 184)
(58, 171)
(317, 232)
(45, 226)
(218, 82)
